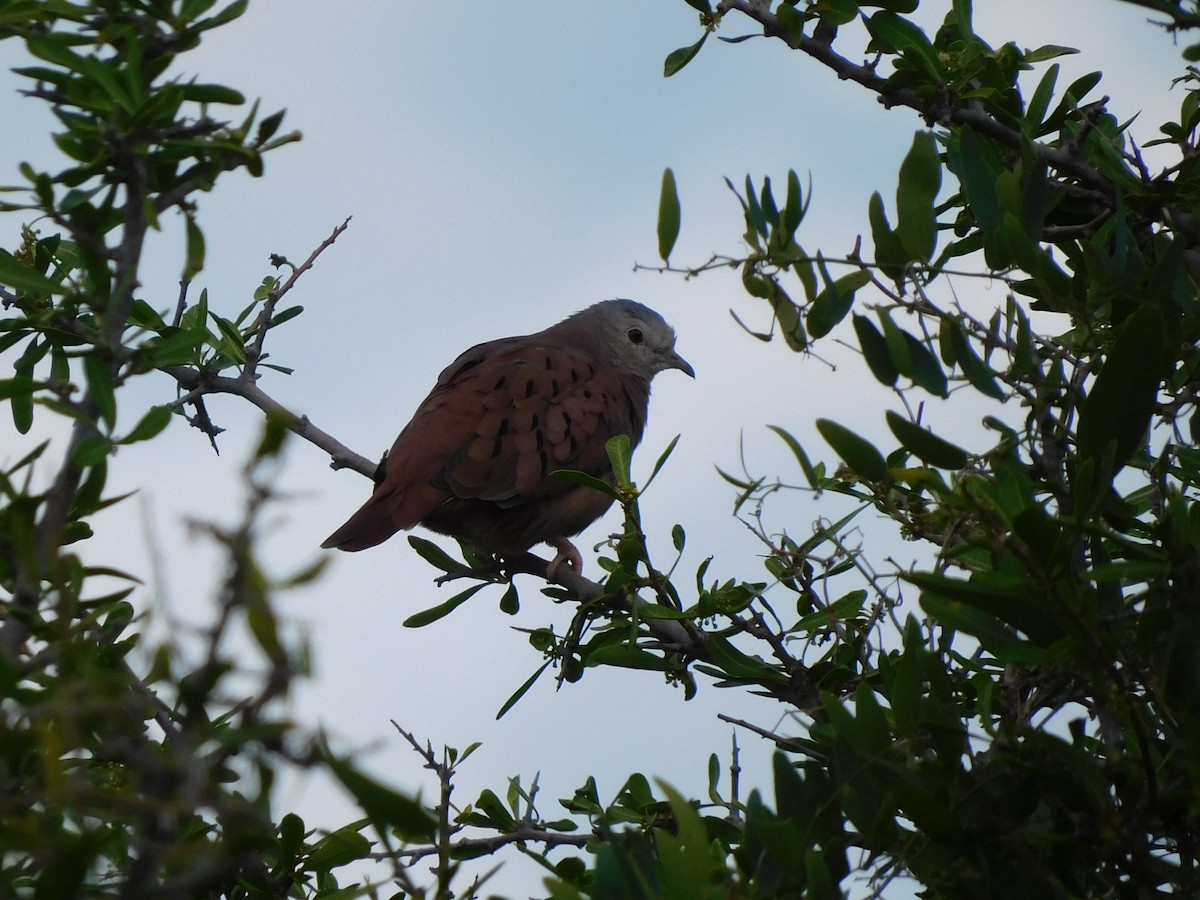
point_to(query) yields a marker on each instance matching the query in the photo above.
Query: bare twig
(181, 303)
(791, 745)
(263, 324)
(342, 456)
(529, 828)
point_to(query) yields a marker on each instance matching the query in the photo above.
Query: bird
(476, 461)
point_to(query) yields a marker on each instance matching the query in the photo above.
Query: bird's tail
(373, 524)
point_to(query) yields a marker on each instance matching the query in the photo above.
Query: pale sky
(502, 165)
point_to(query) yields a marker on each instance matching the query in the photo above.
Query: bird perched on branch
(476, 460)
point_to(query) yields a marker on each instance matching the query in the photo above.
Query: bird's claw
(567, 553)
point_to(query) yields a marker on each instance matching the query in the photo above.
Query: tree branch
(526, 832)
(199, 382)
(970, 114)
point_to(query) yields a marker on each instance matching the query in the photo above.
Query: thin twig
(181, 303)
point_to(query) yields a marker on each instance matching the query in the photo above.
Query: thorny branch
(199, 381)
(263, 324)
(529, 829)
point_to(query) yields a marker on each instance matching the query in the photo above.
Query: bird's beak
(675, 361)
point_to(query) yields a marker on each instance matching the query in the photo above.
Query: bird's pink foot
(566, 554)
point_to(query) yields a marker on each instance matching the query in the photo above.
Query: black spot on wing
(498, 446)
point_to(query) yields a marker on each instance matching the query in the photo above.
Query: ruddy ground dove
(476, 461)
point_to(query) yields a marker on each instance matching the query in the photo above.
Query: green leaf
(668, 216)
(497, 815)
(972, 366)
(284, 315)
(434, 555)
(510, 603)
(387, 809)
(733, 663)
(1076, 91)
(195, 250)
(837, 12)
(265, 628)
(920, 181)
(875, 351)
(151, 425)
(787, 314)
(212, 93)
(992, 634)
(629, 657)
(620, 454)
(661, 461)
(677, 59)
(767, 204)
(1039, 101)
(978, 181)
(1119, 405)
(1048, 51)
(926, 371)
(1010, 598)
(174, 346)
(889, 251)
(686, 859)
(20, 277)
(898, 342)
(54, 48)
(291, 835)
(962, 14)
(145, 316)
(91, 451)
(806, 466)
(228, 14)
(847, 607)
(427, 616)
(834, 301)
(233, 345)
(754, 210)
(577, 477)
(60, 366)
(338, 849)
(900, 34)
(926, 445)
(268, 126)
(795, 206)
(523, 689)
(20, 393)
(857, 452)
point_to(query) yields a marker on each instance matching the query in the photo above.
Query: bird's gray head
(639, 340)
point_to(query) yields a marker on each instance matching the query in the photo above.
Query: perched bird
(476, 460)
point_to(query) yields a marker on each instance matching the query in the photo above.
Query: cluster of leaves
(1034, 729)
(133, 768)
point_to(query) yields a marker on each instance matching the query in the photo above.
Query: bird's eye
(635, 335)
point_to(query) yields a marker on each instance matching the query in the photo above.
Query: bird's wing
(522, 413)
